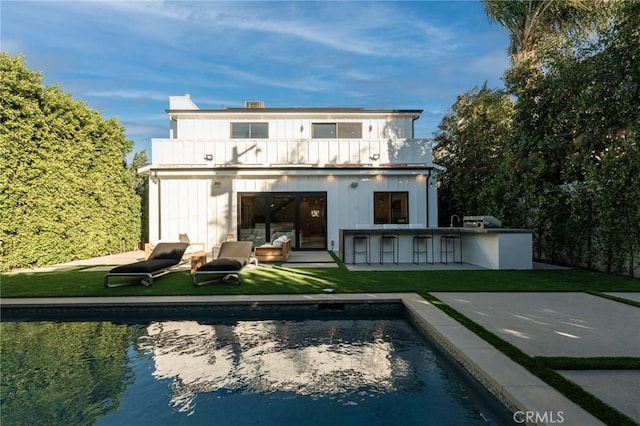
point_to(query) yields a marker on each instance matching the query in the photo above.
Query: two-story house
(259, 172)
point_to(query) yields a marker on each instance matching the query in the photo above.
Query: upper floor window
(390, 207)
(336, 130)
(249, 130)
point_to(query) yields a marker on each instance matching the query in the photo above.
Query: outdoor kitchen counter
(492, 248)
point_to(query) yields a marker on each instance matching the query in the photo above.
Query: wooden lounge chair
(232, 258)
(163, 257)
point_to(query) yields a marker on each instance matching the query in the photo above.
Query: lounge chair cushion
(173, 251)
(237, 250)
(146, 266)
(223, 265)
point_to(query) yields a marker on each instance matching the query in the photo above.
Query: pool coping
(517, 388)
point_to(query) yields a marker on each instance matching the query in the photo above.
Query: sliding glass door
(263, 217)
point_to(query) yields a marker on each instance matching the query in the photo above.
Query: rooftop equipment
(254, 104)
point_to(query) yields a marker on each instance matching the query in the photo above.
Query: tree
(532, 22)
(569, 161)
(609, 138)
(575, 127)
(141, 187)
(473, 143)
(65, 191)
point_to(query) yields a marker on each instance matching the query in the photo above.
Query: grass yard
(276, 280)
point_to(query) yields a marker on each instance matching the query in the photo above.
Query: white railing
(265, 152)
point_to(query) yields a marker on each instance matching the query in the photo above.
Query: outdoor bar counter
(491, 248)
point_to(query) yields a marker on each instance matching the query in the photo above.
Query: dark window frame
(386, 213)
(262, 125)
(339, 130)
(246, 220)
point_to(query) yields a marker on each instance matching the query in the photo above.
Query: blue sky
(125, 58)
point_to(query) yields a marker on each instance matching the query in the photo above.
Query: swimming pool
(191, 366)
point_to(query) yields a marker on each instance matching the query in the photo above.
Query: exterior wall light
(208, 157)
(374, 157)
(354, 185)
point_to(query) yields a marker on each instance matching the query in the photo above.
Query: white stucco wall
(498, 250)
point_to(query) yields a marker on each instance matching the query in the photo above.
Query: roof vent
(254, 104)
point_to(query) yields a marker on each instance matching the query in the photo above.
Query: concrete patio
(575, 325)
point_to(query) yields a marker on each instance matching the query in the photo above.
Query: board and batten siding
(291, 127)
(206, 208)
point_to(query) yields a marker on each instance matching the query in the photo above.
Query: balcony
(290, 152)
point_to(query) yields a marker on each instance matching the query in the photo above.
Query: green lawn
(279, 280)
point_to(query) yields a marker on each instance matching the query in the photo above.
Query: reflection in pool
(347, 371)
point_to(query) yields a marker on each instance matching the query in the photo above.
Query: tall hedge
(564, 161)
(65, 190)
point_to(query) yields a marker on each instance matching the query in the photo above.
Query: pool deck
(547, 324)
(570, 324)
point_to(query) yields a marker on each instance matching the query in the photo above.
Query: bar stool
(393, 239)
(446, 249)
(418, 241)
(362, 239)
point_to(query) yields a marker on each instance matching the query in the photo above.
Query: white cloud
(309, 83)
(490, 64)
(365, 28)
(127, 94)
(12, 47)
(135, 129)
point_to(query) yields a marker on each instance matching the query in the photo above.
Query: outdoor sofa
(278, 251)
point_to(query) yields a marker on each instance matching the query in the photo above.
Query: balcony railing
(266, 152)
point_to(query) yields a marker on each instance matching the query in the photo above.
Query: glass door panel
(283, 217)
(313, 224)
(252, 219)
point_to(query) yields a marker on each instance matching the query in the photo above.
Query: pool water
(242, 372)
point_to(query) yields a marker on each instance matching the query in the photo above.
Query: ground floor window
(390, 207)
(265, 216)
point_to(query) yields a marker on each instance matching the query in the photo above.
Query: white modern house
(258, 173)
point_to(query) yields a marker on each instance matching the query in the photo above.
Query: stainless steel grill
(481, 222)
